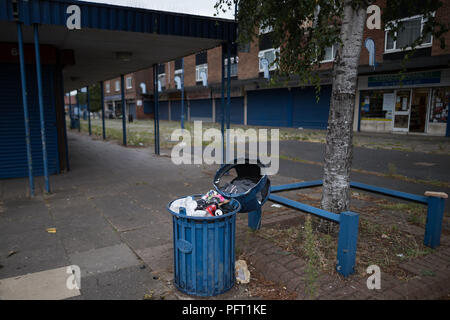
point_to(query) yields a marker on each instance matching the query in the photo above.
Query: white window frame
(129, 82)
(395, 49)
(199, 68)
(108, 87)
(333, 54)
(234, 62)
(261, 55)
(117, 85)
(162, 78)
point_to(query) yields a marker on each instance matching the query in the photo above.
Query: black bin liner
(251, 186)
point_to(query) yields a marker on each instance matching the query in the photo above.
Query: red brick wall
(189, 71)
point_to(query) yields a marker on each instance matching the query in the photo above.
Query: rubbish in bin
(238, 186)
(213, 195)
(242, 273)
(190, 205)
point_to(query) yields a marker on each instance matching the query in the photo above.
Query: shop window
(377, 105)
(410, 30)
(439, 105)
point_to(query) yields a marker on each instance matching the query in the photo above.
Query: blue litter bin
(254, 197)
(204, 253)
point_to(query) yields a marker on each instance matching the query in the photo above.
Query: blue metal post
(433, 225)
(65, 124)
(254, 219)
(182, 93)
(347, 242)
(222, 107)
(70, 110)
(78, 110)
(156, 102)
(41, 105)
(124, 108)
(102, 101)
(228, 97)
(88, 102)
(25, 108)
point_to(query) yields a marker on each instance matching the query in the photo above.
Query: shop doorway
(419, 105)
(402, 110)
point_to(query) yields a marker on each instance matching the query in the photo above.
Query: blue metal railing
(348, 221)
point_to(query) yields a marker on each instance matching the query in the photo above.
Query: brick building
(418, 104)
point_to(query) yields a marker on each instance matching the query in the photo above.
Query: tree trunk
(339, 145)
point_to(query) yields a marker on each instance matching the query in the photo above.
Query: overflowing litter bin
(204, 254)
(204, 227)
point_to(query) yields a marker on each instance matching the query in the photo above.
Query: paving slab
(104, 259)
(45, 285)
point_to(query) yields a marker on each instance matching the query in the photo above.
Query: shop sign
(389, 80)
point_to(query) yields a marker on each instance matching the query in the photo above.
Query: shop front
(415, 102)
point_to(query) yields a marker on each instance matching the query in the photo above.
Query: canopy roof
(113, 40)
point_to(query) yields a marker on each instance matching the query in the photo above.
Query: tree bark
(339, 145)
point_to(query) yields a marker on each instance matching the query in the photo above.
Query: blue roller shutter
(201, 109)
(175, 110)
(163, 107)
(13, 153)
(149, 107)
(272, 107)
(308, 113)
(236, 110)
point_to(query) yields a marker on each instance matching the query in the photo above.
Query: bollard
(347, 241)
(435, 214)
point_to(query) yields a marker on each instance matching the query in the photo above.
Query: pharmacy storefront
(415, 102)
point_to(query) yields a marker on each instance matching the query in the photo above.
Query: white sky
(194, 7)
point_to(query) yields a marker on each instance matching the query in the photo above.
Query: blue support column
(156, 102)
(182, 93)
(88, 102)
(25, 108)
(222, 107)
(254, 219)
(70, 110)
(78, 111)
(124, 108)
(228, 98)
(41, 106)
(102, 101)
(347, 242)
(433, 227)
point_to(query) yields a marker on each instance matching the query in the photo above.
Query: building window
(162, 75)
(270, 55)
(199, 70)
(233, 66)
(108, 87)
(117, 85)
(178, 66)
(439, 105)
(129, 82)
(330, 54)
(410, 30)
